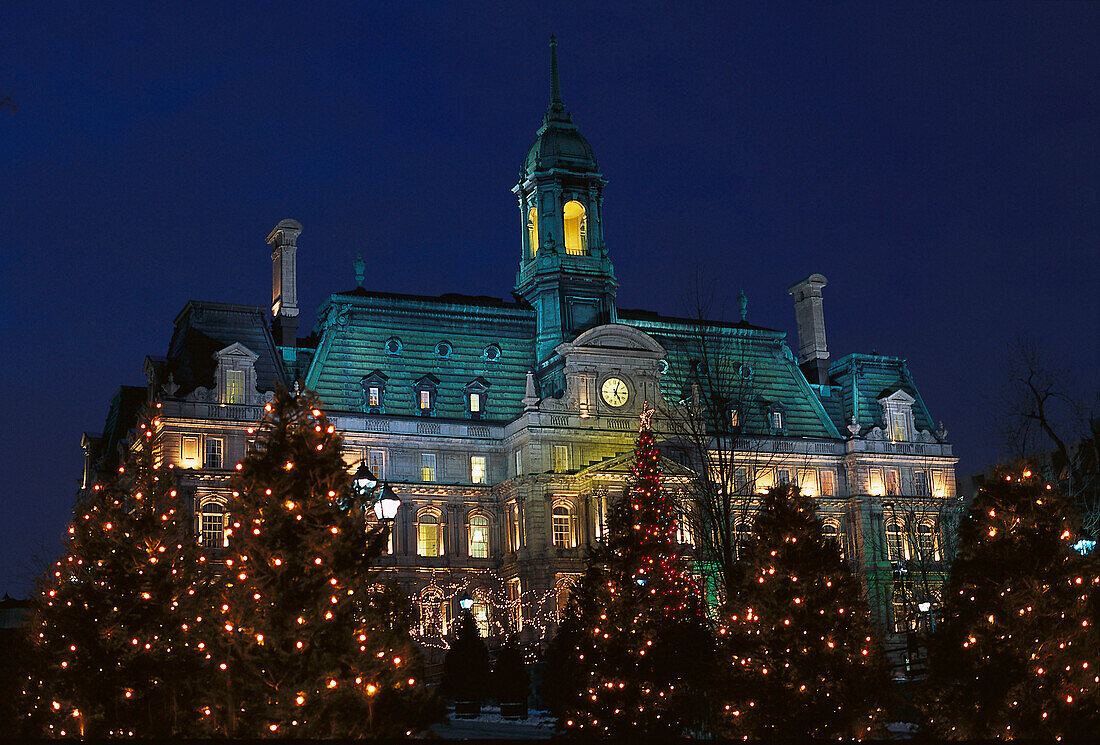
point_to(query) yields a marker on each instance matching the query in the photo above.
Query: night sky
(938, 163)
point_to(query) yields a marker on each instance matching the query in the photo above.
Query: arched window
(433, 612)
(926, 542)
(742, 533)
(562, 521)
(897, 547)
(564, 586)
(576, 228)
(831, 531)
(533, 230)
(429, 535)
(212, 525)
(479, 537)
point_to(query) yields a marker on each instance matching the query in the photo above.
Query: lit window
(735, 418)
(518, 456)
(892, 482)
(234, 386)
(213, 452)
(563, 527)
(212, 526)
(896, 545)
(434, 613)
(533, 230)
(425, 400)
(479, 537)
(427, 466)
(190, 451)
(742, 534)
(513, 527)
(576, 228)
(777, 420)
(475, 403)
(899, 430)
(926, 542)
(515, 602)
(428, 530)
(374, 396)
(783, 475)
(561, 458)
(376, 462)
(920, 483)
(939, 485)
(807, 480)
(477, 469)
(828, 483)
(683, 527)
(480, 612)
(874, 482)
(831, 531)
(564, 586)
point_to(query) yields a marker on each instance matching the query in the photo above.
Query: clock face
(614, 392)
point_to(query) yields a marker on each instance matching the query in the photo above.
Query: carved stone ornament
(853, 427)
(941, 432)
(171, 386)
(876, 433)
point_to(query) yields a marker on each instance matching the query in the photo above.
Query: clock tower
(564, 272)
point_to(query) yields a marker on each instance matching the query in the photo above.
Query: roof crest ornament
(360, 270)
(743, 305)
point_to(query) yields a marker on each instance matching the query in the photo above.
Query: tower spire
(555, 81)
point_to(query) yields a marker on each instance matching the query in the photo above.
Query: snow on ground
(539, 725)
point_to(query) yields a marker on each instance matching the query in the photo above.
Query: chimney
(284, 282)
(813, 352)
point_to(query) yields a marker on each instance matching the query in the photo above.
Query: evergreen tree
(114, 627)
(511, 681)
(632, 654)
(466, 664)
(1016, 655)
(805, 655)
(305, 647)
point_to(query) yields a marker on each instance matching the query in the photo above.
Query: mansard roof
(205, 328)
(353, 329)
(860, 380)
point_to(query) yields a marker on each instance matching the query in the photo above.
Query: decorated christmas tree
(114, 630)
(1017, 655)
(806, 661)
(306, 645)
(466, 665)
(633, 653)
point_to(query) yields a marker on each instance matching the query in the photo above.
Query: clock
(615, 392)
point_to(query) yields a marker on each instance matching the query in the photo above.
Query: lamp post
(378, 493)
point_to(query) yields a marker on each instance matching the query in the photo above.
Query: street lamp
(465, 602)
(384, 500)
(385, 507)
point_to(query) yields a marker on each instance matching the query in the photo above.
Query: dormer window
(576, 228)
(374, 392)
(235, 374)
(491, 353)
(476, 392)
(425, 392)
(897, 414)
(777, 418)
(443, 349)
(393, 345)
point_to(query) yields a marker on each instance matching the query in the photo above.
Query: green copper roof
(354, 329)
(558, 143)
(863, 379)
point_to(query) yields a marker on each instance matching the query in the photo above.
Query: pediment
(236, 349)
(613, 336)
(624, 465)
(898, 396)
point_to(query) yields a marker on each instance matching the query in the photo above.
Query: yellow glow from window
(533, 230)
(576, 228)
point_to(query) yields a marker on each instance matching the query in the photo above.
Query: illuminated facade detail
(489, 419)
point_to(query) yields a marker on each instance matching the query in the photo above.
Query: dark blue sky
(939, 163)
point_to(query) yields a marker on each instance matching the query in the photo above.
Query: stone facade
(505, 427)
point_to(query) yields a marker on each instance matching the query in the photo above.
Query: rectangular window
(893, 484)
(874, 481)
(777, 420)
(427, 537)
(765, 479)
(599, 504)
(563, 528)
(828, 483)
(479, 537)
(234, 386)
(939, 485)
(376, 462)
(425, 400)
(190, 451)
(519, 462)
(475, 403)
(783, 475)
(899, 431)
(480, 612)
(561, 458)
(213, 452)
(515, 601)
(513, 527)
(213, 526)
(808, 481)
(920, 483)
(427, 466)
(477, 469)
(740, 479)
(374, 396)
(735, 418)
